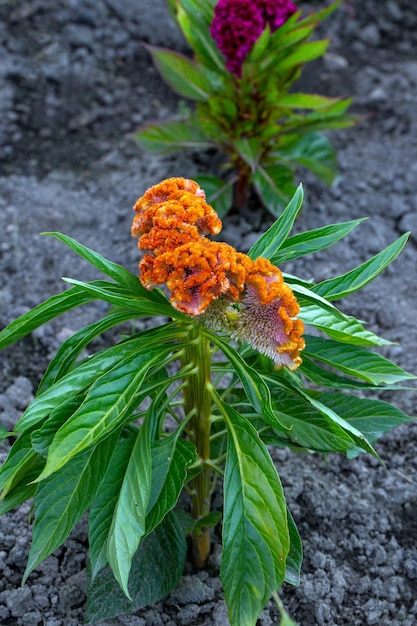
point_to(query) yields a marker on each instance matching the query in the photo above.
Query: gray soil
(74, 82)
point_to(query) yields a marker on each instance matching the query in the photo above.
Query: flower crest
(226, 289)
(237, 24)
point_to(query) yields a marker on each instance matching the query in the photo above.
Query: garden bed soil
(74, 82)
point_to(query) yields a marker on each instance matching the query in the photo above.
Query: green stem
(197, 400)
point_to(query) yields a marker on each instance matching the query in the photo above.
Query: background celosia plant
(123, 432)
(247, 56)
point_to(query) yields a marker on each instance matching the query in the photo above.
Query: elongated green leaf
(307, 426)
(61, 500)
(115, 271)
(71, 348)
(108, 404)
(183, 75)
(344, 328)
(128, 523)
(77, 380)
(18, 463)
(373, 418)
(306, 101)
(257, 391)
(324, 378)
(315, 152)
(156, 570)
(255, 529)
(170, 459)
(23, 490)
(44, 312)
(218, 192)
(355, 361)
(194, 19)
(303, 53)
(102, 508)
(270, 242)
(121, 297)
(275, 186)
(312, 241)
(352, 281)
(295, 555)
(42, 438)
(172, 135)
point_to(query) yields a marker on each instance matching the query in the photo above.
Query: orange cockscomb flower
(197, 273)
(226, 289)
(267, 319)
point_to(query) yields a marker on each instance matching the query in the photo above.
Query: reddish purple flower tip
(237, 24)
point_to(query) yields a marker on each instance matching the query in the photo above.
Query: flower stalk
(197, 401)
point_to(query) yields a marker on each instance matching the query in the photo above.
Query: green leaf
(218, 192)
(324, 378)
(165, 137)
(108, 404)
(256, 539)
(156, 570)
(343, 328)
(79, 379)
(302, 54)
(19, 462)
(315, 152)
(194, 18)
(312, 241)
(128, 523)
(352, 281)
(305, 101)
(307, 426)
(257, 391)
(71, 348)
(187, 78)
(102, 508)
(355, 361)
(270, 242)
(115, 271)
(42, 438)
(44, 312)
(61, 500)
(373, 418)
(170, 459)
(295, 555)
(121, 297)
(23, 489)
(275, 186)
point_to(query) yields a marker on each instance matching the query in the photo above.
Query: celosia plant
(247, 56)
(123, 432)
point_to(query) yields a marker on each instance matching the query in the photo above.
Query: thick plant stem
(241, 186)
(197, 401)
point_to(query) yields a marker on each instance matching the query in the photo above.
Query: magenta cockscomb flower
(237, 24)
(276, 12)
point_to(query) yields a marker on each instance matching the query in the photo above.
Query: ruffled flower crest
(237, 24)
(226, 289)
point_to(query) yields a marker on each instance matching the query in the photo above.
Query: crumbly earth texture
(74, 82)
